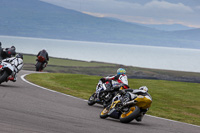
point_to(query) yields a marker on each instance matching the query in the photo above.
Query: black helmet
(19, 56)
(13, 47)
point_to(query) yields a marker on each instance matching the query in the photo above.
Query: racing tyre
(104, 113)
(38, 66)
(91, 100)
(3, 76)
(129, 116)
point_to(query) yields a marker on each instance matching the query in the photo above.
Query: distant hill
(168, 27)
(162, 27)
(33, 18)
(193, 34)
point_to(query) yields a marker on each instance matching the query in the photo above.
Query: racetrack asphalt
(25, 108)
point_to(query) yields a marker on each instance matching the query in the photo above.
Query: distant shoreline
(110, 43)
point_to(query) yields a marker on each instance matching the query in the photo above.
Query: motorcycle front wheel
(130, 115)
(3, 76)
(104, 113)
(91, 100)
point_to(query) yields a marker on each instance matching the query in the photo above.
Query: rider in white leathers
(17, 63)
(119, 79)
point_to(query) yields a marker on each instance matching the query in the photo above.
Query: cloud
(197, 7)
(108, 6)
(152, 8)
(149, 11)
(96, 14)
(166, 6)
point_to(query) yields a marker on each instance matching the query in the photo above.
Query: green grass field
(57, 65)
(173, 100)
(30, 59)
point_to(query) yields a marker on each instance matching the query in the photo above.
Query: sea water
(180, 59)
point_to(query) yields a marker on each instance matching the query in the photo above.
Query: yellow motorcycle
(129, 106)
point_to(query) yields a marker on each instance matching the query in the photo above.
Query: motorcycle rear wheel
(38, 66)
(3, 76)
(133, 113)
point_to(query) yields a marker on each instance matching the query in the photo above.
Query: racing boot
(12, 78)
(44, 65)
(139, 118)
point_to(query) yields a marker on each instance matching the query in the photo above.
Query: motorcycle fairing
(8, 67)
(100, 87)
(143, 102)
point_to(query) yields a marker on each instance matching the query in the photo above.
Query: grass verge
(57, 65)
(173, 100)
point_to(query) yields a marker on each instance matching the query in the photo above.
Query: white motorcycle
(6, 70)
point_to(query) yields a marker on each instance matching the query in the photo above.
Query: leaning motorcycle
(40, 64)
(6, 70)
(102, 95)
(127, 111)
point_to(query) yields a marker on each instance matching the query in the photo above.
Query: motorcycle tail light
(1, 66)
(41, 59)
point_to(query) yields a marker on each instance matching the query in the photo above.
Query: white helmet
(44, 49)
(144, 88)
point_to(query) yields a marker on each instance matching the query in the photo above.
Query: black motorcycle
(104, 93)
(40, 64)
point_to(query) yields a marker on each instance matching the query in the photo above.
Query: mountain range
(34, 18)
(163, 27)
(168, 27)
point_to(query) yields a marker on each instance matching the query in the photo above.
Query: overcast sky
(186, 12)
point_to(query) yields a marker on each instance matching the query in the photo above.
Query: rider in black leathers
(7, 52)
(44, 54)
